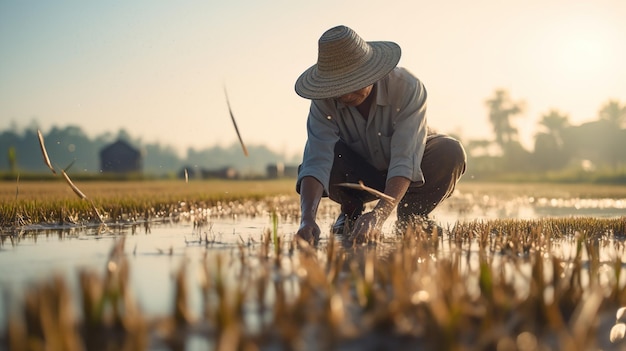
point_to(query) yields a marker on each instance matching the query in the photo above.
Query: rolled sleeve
(322, 135)
(409, 137)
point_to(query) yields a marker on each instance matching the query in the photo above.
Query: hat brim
(385, 57)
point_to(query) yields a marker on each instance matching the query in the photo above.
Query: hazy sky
(158, 68)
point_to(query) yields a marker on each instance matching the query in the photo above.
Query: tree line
(71, 146)
(561, 149)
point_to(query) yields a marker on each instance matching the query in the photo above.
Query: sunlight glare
(582, 48)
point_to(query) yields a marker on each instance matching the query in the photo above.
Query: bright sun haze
(158, 69)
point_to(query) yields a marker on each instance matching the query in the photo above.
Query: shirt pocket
(381, 152)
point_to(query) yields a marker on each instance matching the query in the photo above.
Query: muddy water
(157, 249)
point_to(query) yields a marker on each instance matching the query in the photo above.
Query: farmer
(367, 123)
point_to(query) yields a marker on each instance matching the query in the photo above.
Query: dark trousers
(443, 163)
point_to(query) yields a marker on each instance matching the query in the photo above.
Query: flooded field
(248, 243)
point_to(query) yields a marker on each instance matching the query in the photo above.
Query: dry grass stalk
(361, 186)
(73, 186)
(81, 195)
(42, 146)
(111, 319)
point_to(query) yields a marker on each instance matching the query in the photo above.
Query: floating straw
(73, 186)
(46, 159)
(81, 195)
(361, 186)
(232, 117)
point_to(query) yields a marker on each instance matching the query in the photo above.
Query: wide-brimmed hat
(346, 63)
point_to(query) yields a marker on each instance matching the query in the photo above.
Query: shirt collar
(382, 96)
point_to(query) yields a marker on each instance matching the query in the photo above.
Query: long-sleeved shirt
(392, 137)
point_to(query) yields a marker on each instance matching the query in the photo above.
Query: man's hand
(367, 227)
(309, 232)
(311, 191)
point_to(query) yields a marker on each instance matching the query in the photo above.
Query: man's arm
(396, 187)
(311, 191)
(369, 224)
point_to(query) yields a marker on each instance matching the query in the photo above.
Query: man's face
(356, 98)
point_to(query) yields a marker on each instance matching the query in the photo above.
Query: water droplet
(379, 134)
(329, 117)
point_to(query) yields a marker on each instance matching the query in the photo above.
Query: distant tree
(516, 158)
(501, 110)
(614, 112)
(71, 145)
(30, 157)
(123, 134)
(554, 123)
(8, 139)
(550, 149)
(160, 159)
(612, 140)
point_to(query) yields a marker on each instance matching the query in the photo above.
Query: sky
(159, 69)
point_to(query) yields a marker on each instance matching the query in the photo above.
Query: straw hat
(346, 63)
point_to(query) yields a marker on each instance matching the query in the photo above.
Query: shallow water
(157, 249)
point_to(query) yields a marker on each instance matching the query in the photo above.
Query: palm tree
(613, 112)
(501, 109)
(555, 122)
(550, 149)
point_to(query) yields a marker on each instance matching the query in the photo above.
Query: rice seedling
(110, 316)
(503, 284)
(485, 285)
(51, 202)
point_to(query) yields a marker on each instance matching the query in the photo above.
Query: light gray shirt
(392, 137)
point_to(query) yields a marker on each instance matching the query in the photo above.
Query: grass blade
(17, 187)
(69, 166)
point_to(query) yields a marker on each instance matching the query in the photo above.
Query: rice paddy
(169, 265)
